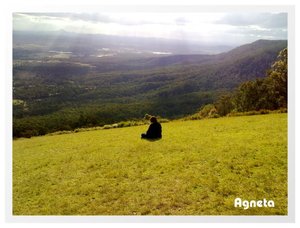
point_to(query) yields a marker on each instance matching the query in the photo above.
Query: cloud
(90, 17)
(264, 20)
(32, 23)
(181, 21)
(277, 21)
(102, 18)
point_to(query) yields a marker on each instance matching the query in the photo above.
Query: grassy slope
(198, 168)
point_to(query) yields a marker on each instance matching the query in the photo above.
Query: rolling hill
(197, 168)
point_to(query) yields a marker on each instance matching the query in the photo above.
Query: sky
(222, 28)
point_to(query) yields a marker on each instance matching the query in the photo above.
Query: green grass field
(197, 168)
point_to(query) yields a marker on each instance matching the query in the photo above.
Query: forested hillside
(63, 90)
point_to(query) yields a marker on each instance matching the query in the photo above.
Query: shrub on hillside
(208, 111)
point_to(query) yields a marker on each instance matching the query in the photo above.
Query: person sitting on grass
(154, 130)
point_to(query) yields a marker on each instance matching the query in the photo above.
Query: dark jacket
(154, 131)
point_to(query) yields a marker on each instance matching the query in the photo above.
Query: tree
(224, 104)
(246, 96)
(277, 79)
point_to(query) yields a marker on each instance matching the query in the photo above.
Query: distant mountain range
(106, 84)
